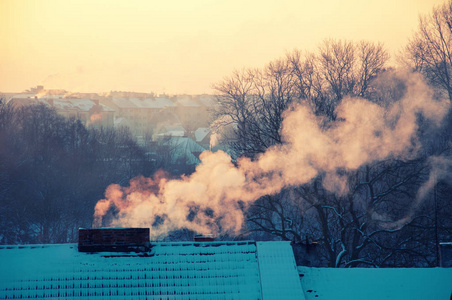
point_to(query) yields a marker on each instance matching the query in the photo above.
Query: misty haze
(325, 125)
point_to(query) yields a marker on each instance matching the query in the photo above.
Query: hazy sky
(178, 46)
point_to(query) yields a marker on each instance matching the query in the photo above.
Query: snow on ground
(376, 284)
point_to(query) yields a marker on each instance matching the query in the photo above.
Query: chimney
(307, 253)
(445, 255)
(113, 240)
(203, 238)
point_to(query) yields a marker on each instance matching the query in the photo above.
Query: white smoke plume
(440, 170)
(212, 200)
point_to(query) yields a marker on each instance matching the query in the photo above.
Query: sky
(178, 46)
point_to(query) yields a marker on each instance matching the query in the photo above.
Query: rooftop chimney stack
(113, 240)
(203, 238)
(446, 255)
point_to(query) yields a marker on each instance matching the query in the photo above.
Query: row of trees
(377, 222)
(254, 100)
(53, 170)
(429, 51)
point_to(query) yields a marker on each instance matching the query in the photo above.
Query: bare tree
(337, 69)
(53, 170)
(237, 104)
(375, 223)
(430, 49)
(372, 60)
(337, 60)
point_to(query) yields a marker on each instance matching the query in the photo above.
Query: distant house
(190, 112)
(148, 113)
(183, 150)
(22, 100)
(89, 112)
(202, 137)
(141, 110)
(181, 270)
(171, 131)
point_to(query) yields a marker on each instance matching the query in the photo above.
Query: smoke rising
(213, 199)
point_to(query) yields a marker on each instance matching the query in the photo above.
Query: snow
(187, 102)
(123, 102)
(185, 148)
(376, 284)
(79, 104)
(106, 108)
(173, 131)
(201, 133)
(278, 270)
(208, 101)
(220, 270)
(159, 102)
(122, 122)
(23, 96)
(203, 270)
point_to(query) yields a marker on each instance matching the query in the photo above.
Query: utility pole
(435, 200)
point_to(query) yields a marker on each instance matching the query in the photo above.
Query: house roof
(184, 270)
(187, 101)
(73, 104)
(76, 104)
(201, 133)
(20, 102)
(172, 131)
(279, 275)
(118, 122)
(376, 283)
(207, 100)
(158, 102)
(24, 95)
(184, 148)
(62, 104)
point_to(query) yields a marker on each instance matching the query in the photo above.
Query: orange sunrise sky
(178, 46)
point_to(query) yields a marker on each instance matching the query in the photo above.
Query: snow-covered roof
(187, 101)
(207, 100)
(185, 148)
(376, 284)
(172, 131)
(123, 102)
(122, 122)
(201, 133)
(77, 104)
(24, 95)
(279, 275)
(50, 96)
(106, 108)
(158, 102)
(184, 270)
(62, 104)
(19, 102)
